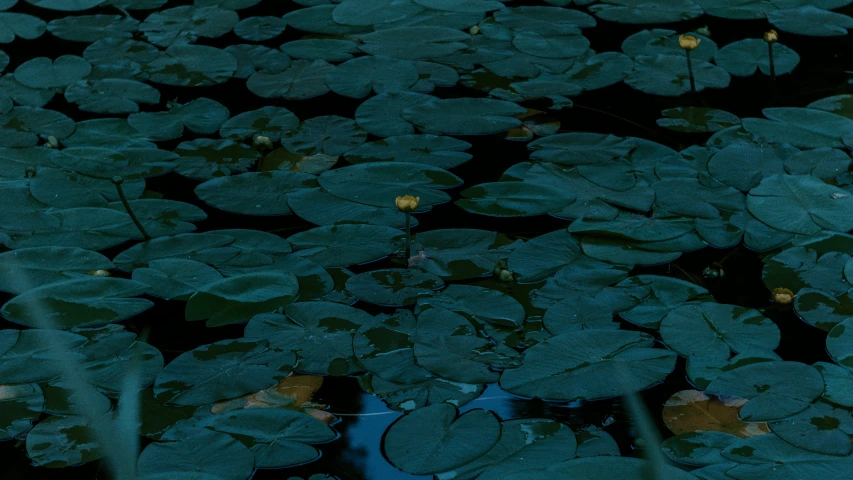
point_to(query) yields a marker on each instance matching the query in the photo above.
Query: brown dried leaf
(692, 410)
(295, 392)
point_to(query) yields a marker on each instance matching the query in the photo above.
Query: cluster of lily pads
(560, 316)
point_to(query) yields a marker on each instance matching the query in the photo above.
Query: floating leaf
(393, 286)
(222, 370)
(444, 442)
(589, 365)
(691, 411)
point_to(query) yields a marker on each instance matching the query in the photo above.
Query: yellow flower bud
(474, 30)
(704, 31)
(783, 295)
(407, 203)
(771, 36)
(506, 276)
(688, 42)
(99, 273)
(262, 143)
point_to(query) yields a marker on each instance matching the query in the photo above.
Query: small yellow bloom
(407, 203)
(99, 273)
(262, 143)
(506, 276)
(771, 36)
(474, 30)
(688, 42)
(783, 295)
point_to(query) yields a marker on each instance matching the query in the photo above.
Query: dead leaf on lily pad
(295, 392)
(692, 411)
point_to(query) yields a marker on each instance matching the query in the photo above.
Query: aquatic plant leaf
(589, 365)
(690, 411)
(801, 204)
(320, 333)
(21, 407)
(277, 437)
(237, 299)
(667, 75)
(359, 77)
(207, 453)
(697, 119)
(744, 57)
(82, 302)
(698, 448)
(271, 122)
(820, 428)
(810, 20)
(464, 116)
(513, 199)
(774, 390)
(660, 41)
(222, 370)
(33, 267)
(175, 278)
(59, 442)
(254, 193)
(346, 244)
(378, 183)
(393, 286)
(717, 330)
(445, 442)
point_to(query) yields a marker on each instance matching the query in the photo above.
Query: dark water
(618, 109)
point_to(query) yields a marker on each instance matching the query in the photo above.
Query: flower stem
(772, 62)
(408, 236)
(117, 181)
(690, 72)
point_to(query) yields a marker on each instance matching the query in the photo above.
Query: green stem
(117, 181)
(690, 72)
(408, 237)
(772, 62)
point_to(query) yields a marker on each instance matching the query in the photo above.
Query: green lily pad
(464, 116)
(801, 204)
(83, 302)
(445, 441)
(716, 330)
(209, 454)
(34, 267)
(175, 278)
(320, 333)
(513, 199)
(393, 286)
(254, 193)
(744, 57)
(377, 184)
(346, 244)
(667, 75)
(21, 407)
(697, 119)
(698, 448)
(589, 365)
(58, 442)
(237, 299)
(222, 370)
(774, 390)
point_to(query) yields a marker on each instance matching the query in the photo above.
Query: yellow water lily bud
(783, 295)
(771, 36)
(474, 30)
(506, 276)
(704, 31)
(688, 42)
(99, 273)
(407, 203)
(262, 143)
